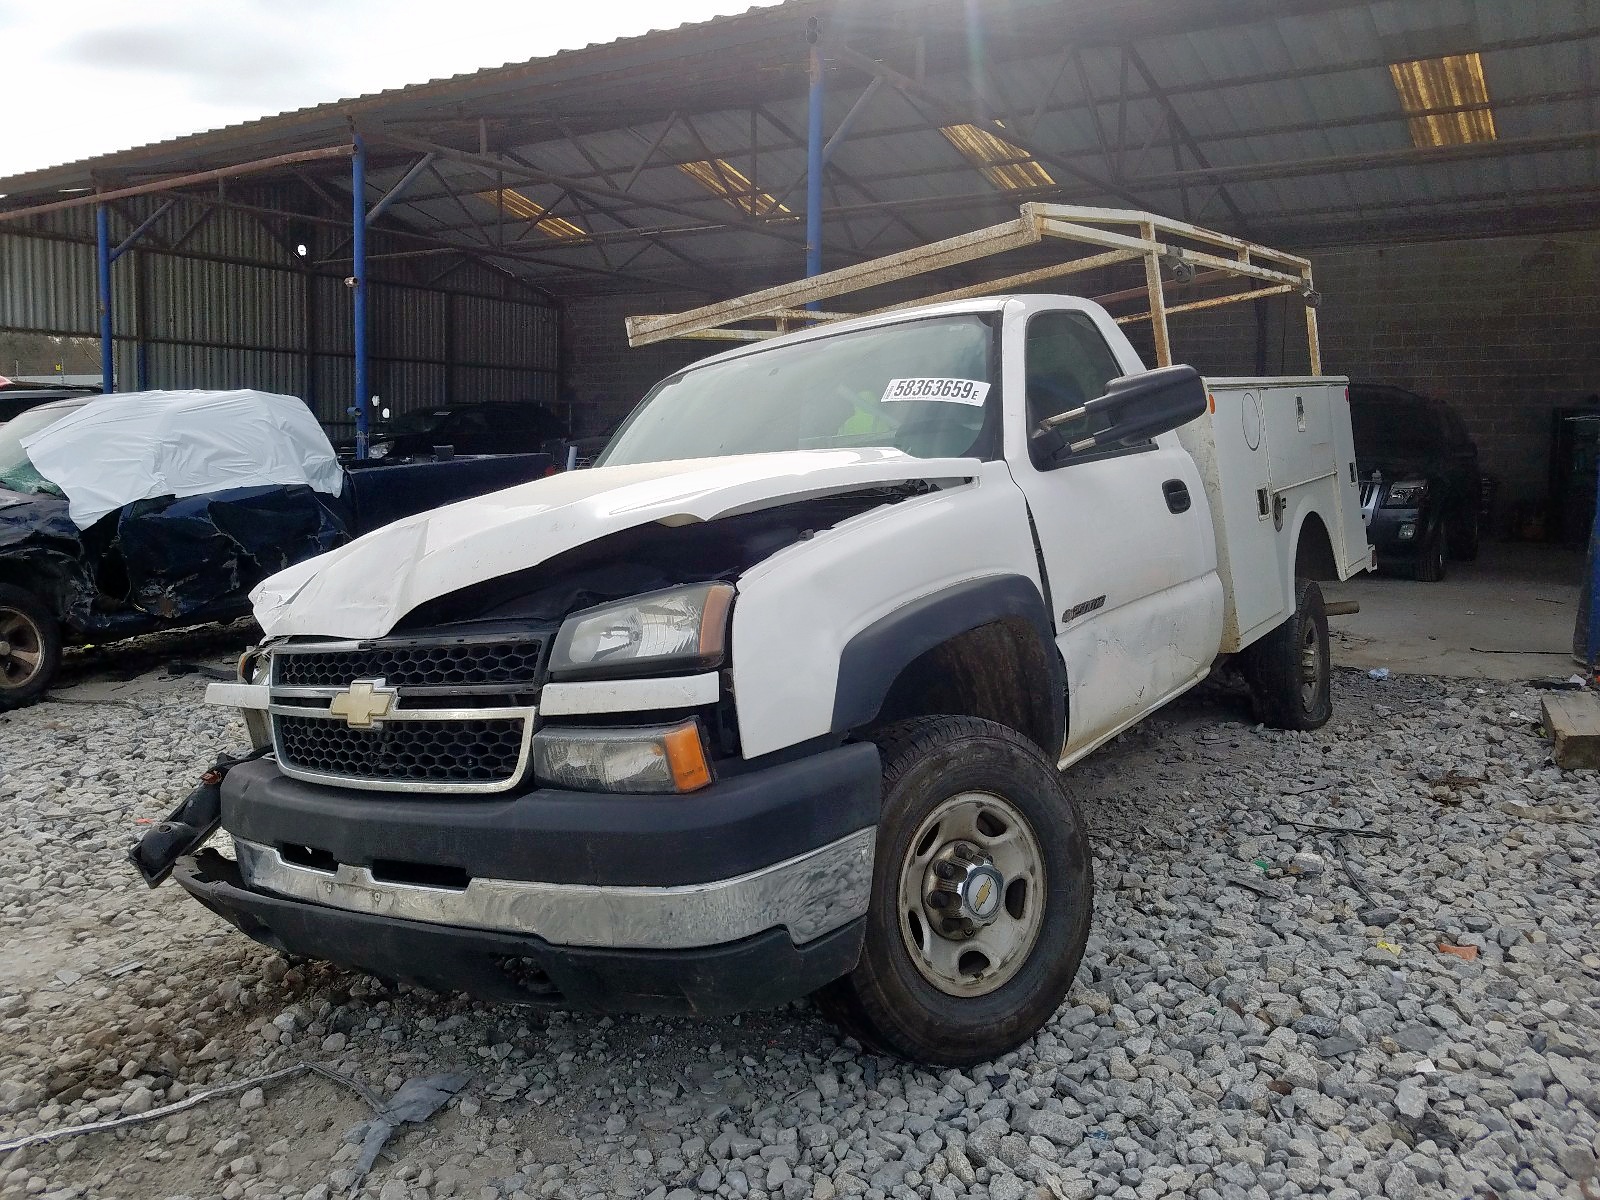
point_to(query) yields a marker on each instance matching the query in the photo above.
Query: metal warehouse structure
(418, 243)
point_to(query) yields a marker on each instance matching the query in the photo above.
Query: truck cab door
(1126, 542)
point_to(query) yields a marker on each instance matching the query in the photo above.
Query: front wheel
(30, 647)
(1430, 563)
(1290, 671)
(981, 897)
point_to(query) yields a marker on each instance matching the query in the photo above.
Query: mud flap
(187, 827)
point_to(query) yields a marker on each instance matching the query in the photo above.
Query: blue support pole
(102, 246)
(358, 272)
(814, 144)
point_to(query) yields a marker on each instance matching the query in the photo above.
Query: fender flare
(873, 659)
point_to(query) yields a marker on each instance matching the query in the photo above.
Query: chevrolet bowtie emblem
(364, 702)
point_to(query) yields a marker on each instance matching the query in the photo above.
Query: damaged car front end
(534, 787)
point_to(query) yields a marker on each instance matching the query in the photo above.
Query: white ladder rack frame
(1154, 240)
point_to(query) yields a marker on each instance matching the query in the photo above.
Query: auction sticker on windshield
(956, 391)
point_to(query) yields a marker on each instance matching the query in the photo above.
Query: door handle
(1177, 494)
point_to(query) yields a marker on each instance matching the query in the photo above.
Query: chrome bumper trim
(252, 696)
(810, 895)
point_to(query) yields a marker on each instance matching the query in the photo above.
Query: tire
(955, 788)
(1464, 541)
(1290, 671)
(1430, 563)
(31, 641)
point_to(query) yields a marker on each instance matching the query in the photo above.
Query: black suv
(1420, 486)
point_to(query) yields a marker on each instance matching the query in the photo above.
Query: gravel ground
(1264, 1010)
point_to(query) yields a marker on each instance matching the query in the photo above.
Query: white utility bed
(1268, 449)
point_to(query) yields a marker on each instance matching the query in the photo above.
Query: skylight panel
(1454, 82)
(514, 204)
(722, 178)
(1010, 168)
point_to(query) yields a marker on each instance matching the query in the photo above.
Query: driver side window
(1067, 363)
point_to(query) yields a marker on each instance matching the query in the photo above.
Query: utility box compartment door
(1230, 444)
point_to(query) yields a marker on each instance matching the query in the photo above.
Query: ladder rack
(1191, 255)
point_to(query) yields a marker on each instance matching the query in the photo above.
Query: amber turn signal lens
(686, 756)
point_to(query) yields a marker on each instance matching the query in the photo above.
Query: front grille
(461, 721)
(1368, 491)
(410, 664)
(472, 752)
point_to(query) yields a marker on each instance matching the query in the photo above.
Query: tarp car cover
(140, 445)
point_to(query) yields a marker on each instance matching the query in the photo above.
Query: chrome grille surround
(463, 721)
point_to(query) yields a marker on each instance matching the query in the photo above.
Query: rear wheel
(1290, 671)
(1429, 567)
(30, 647)
(981, 897)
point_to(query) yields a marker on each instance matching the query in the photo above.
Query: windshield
(923, 387)
(1393, 428)
(13, 458)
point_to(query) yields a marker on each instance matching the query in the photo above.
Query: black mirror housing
(1136, 407)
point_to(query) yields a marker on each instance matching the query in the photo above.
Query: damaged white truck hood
(363, 589)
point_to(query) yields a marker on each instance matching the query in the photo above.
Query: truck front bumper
(1396, 533)
(743, 895)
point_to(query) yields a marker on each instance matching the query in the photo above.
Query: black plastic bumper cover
(739, 824)
(758, 972)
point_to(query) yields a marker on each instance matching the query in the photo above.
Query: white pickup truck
(774, 700)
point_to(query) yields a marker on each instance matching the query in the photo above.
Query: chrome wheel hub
(21, 649)
(1310, 666)
(971, 894)
(962, 890)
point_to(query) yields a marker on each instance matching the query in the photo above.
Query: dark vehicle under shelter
(130, 513)
(1420, 485)
(491, 428)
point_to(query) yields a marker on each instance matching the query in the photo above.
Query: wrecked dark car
(127, 514)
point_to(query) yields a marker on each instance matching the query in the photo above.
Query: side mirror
(1134, 407)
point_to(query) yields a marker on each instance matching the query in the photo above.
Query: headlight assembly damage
(681, 629)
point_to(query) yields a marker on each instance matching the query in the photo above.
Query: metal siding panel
(214, 367)
(332, 305)
(47, 285)
(499, 333)
(476, 384)
(403, 386)
(335, 380)
(194, 300)
(407, 322)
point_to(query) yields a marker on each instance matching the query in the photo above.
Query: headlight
(379, 449)
(255, 665)
(1407, 493)
(667, 758)
(683, 629)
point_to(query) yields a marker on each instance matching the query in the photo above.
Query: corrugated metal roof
(1278, 117)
